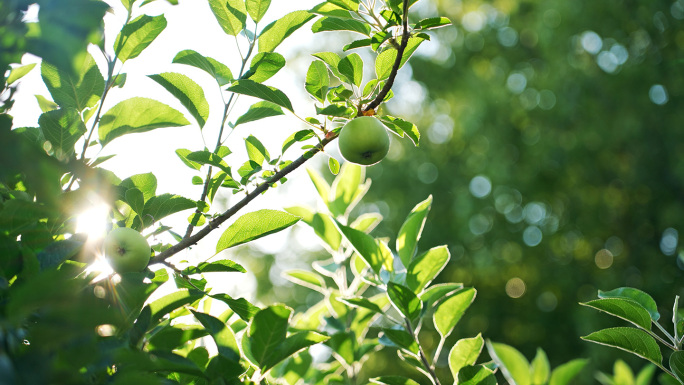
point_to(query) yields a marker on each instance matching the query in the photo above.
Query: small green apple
(364, 140)
(126, 250)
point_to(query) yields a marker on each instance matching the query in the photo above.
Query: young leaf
(330, 9)
(450, 311)
(334, 166)
(366, 222)
(259, 110)
(317, 80)
(352, 5)
(257, 90)
(465, 352)
(321, 185)
(137, 115)
(366, 246)
(351, 67)
(256, 150)
(189, 93)
(645, 375)
(230, 14)
(19, 72)
(404, 300)
(253, 226)
(45, 104)
(424, 268)
(539, 368)
(626, 309)
(307, 279)
(410, 231)
(565, 373)
(216, 69)
(636, 295)
(514, 366)
(632, 340)
(348, 188)
(340, 24)
(279, 30)
(147, 183)
(385, 61)
(69, 91)
(264, 66)
(137, 35)
(62, 128)
(257, 8)
(432, 23)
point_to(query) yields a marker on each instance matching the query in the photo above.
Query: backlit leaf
(410, 231)
(633, 340)
(230, 14)
(189, 93)
(137, 35)
(257, 90)
(279, 30)
(255, 225)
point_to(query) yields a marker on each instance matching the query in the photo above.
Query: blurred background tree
(552, 134)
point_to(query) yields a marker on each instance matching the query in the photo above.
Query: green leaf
(351, 68)
(216, 69)
(223, 266)
(317, 80)
(363, 303)
(57, 252)
(436, 293)
(432, 23)
(230, 14)
(410, 231)
(279, 30)
(257, 8)
(170, 302)
(207, 157)
(397, 5)
(367, 247)
(636, 295)
(146, 183)
(352, 5)
(137, 115)
(401, 339)
(257, 90)
(136, 200)
(645, 375)
(424, 268)
(476, 375)
(357, 44)
(189, 93)
(404, 300)
(323, 225)
(164, 205)
(348, 188)
(306, 278)
(450, 311)
(331, 59)
(385, 61)
(264, 66)
(299, 136)
(393, 380)
(266, 331)
(514, 366)
(253, 226)
(624, 308)
(46, 104)
(19, 72)
(321, 185)
(340, 24)
(62, 128)
(137, 35)
(256, 150)
(632, 340)
(338, 109)
(565, 373)
(71, 91)
(366, 222)
(243, 308)
(294, 344)
(465, 352)
(330, 9)
(223, 337)
(334, 166)
(540, 368)
(401, 127)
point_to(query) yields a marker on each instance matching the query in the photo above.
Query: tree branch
(216, 222)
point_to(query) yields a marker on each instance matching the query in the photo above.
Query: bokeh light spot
(480, 186)
(603, 259)
(515, 287)
(547, 301)
(516, 82)
(591, 42)
(428, 173)
(669, 241)
(658, 94)
(532, 236)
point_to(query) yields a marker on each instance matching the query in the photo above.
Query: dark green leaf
(677, 364)
(223, 266)
(223, 337)
(400, 126)
(56, 253)
(170, 302)
(216, 69)
(137, 115)
(207, 157)
(624, 308)
(298, 136)
(366, 247)
(259, 110)
(189, 93)
(163, 205)
(71, 91)
(266, 332)
(243, 308)
(62, 128)
(433, 22)
(137, 35)
(257, 90)
(633, 340)
(317, 80)
(402, 339)
(255, 225)
(357, 44)
(636, 295)
(351, 68)
(404, 300)
(264, 66)
(476, 375)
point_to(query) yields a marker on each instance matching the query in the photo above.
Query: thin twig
(423, 357)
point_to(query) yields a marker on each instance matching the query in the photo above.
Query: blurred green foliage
(551, 141)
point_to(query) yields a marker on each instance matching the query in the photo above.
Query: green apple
(126, 250)
(364, 140)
